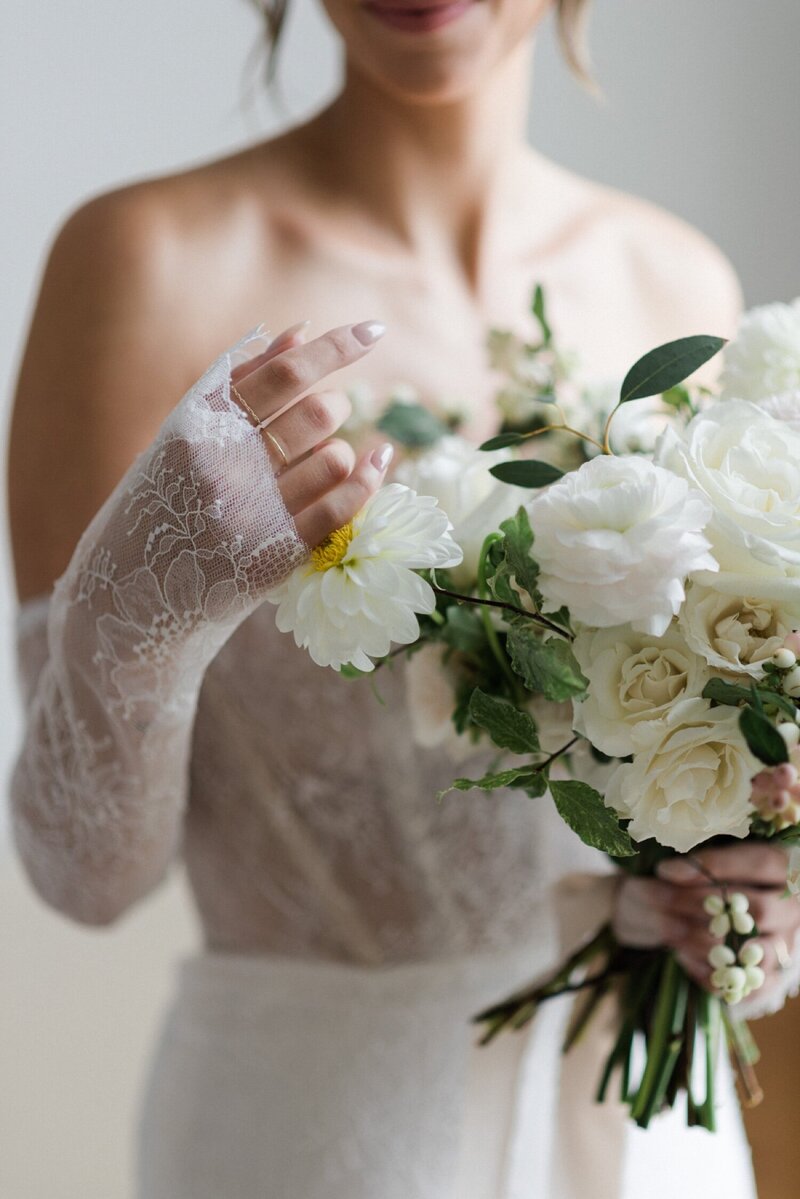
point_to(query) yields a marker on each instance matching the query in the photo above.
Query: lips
(417, 18)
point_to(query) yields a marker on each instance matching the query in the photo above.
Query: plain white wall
(702, 113)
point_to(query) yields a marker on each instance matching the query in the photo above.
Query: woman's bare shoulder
(671, 258)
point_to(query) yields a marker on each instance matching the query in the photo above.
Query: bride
(319, 1043)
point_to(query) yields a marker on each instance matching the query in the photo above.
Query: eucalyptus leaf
(538, 310)
(502, 441)
(668, 365)
(549, 667)
(527, 472)
(507, 726)
(412, 425)
(583, 809)
(763, 739)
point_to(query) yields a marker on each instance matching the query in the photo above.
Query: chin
(431, 51)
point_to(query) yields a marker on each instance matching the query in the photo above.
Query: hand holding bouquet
(654, 597)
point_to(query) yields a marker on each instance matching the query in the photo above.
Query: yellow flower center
(332, 550)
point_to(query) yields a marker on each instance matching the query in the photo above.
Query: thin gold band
(277, 445)
(259, 424)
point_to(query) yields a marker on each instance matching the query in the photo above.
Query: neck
(430, 174)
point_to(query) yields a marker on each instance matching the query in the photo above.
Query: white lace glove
(183, 550)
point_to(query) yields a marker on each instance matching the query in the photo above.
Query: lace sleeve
(111, 664)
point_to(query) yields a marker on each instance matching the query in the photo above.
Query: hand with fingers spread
(204, 523)
(320, 481)
(668, 910)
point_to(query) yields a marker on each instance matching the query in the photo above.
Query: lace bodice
(167, 718)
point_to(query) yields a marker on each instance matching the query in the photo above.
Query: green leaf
(491, 782)
(722, 692)
(501, 441)
(537, 786)
(763, 739)
(583, 809)
(412, 425)
(526, 472)
(506, 725)
(668, 365)
(463, 630)
(677, 398)
(538, 310)
(546, 666)
(517, 544)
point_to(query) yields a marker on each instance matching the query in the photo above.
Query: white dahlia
(764, 357)
(358, 592)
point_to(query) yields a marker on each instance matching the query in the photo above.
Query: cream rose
(632, 677)
(738, 628)
(748, 465)
(615, 541)
(764, 357)
(689, 779)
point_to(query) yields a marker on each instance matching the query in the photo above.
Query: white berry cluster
(736, 966)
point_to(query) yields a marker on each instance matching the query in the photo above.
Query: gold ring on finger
(253, 416)
(274, 441)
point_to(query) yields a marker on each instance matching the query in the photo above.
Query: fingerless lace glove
(111, 664)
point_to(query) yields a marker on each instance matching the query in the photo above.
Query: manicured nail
(368, 332)
(381, 458)
(676, 870)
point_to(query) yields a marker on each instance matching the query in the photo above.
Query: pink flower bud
(762, 783)
(792, 642)
(784, 775)
(779, 801)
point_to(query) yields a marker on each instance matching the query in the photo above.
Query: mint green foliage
(507, 726)
(547, 666)
(583, 809)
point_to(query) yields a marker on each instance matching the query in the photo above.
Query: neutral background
(701, 116)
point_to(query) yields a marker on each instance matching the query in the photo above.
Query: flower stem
(487, 603)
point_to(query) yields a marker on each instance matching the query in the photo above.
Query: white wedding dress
(319, 1043)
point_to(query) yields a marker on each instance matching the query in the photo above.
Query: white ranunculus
(637, 425)
(738, 628)
(748, 464)
(632, 677)
(359, 592)
(689, 779)
(764, 357)
(784, 407)
(615, 541)
(456, 474)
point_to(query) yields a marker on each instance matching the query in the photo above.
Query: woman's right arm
(127, 599)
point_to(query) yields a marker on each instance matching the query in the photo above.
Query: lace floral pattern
(181, 552)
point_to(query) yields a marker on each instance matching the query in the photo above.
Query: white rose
(689, 779)
(457, 475)
(748, 464)
(764, 357)
(784, 407)
(632, 677)
(615, 541)
(736, 632)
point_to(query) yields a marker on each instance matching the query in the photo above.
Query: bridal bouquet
(612, 603)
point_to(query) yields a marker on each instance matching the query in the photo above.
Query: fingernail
(368, 332)
(675, 870)
(381, 458)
